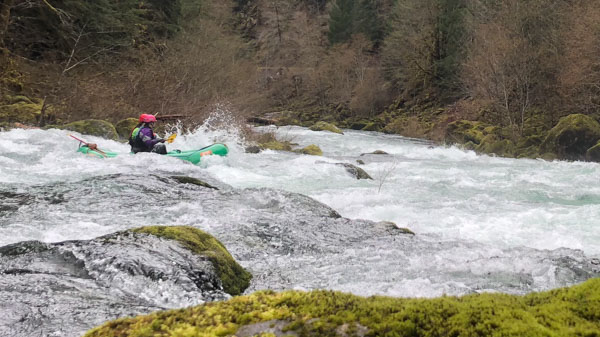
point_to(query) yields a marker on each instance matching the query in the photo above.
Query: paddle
(92, 146)
(171, 138)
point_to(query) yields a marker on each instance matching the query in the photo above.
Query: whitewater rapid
(473, 215)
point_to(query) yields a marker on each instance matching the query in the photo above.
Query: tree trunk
(5, 6)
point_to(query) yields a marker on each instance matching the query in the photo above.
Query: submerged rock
(68, 287)
(573, 311)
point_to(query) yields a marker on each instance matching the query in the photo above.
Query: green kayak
(193, 156)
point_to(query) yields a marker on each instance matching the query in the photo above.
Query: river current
(481, 223)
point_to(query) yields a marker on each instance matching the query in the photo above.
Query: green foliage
(91, 28)
(571, 311)
(235, 279)
(350, 17)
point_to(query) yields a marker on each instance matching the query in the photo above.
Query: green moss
(464, 131)
(276, 145)
(324, 126)
(21, 110)
(235, 279)
(312, 150)
(572, 137)
(92, 127)
(492, 145)
(573, 311)
(125, 126)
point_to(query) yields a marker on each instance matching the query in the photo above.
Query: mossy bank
(573, 311)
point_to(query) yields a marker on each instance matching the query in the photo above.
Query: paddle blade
(171, 138)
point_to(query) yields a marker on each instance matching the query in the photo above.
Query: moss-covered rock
(573, 311)
(125, 126)
(572, 137)
(324, 126)
(311, 149)
(276, 145)
(235, 279)
(593, 153)
(355, 171)
(21, 109)
(491, 144)
(94, 127)
(464, 131)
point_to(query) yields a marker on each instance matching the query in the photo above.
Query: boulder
(464, 131)
(593, 153)
(252, 149)
(312, 150)
(324, 126)
(375, 152)
(21, 109)
(94, 127)
(125, 126)
(356, 172)
(491, 144)
(572, 137)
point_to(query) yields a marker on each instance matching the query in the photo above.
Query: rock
(324, 126)
(572, 137)
(357, 172)
(125, 126)
(360, 162)
(276, 145)
(330, 313)
(193, 181)
(253, 149)
(312, 150)
(491, 144)
(593, 153)
(375, 152)
(21, 109)
(465, 131)
(94, 127)
(261, 121)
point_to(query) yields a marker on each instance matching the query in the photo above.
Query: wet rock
(125, 126)
(261, 121)
(356, 172)
(324, 126)
(465, 131)
(94, 127)
(66, 288)
(193, 181)
(252, 149)
(360, 162)
(492, 144)
(572, 137)
(374, 152)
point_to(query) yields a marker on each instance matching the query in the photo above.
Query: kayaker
(143, 138)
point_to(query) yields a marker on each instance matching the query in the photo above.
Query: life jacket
(136, 142)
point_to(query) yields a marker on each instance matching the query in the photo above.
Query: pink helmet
(145, 118)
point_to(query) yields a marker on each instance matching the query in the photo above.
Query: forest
(412, 67)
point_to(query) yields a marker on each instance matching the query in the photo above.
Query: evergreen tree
(349, 17)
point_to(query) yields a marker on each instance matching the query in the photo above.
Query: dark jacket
(143, 139)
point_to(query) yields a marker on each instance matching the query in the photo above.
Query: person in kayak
(143, 138)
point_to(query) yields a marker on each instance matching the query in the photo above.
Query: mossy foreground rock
(235, 279)
(94, 127)
(571, 311)
(21, 109)
(572, 137)
(324, 126)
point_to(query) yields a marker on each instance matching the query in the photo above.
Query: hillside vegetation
(411, 67)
